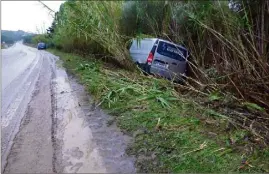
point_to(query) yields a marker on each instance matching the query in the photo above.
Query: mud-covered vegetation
(228, 71)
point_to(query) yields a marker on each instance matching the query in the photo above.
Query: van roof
(154, 39)
(151, 39)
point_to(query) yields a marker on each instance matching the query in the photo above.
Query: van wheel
(145, 73)
(142, 67)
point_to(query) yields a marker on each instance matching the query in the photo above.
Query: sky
(29, 16)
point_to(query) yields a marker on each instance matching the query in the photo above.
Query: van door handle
(174, 63)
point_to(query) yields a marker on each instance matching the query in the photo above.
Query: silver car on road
(160, 57)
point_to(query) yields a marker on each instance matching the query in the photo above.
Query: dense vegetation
(228, 42)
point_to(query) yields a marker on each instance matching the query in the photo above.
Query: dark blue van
(41, 46)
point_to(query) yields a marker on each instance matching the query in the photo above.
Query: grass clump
(172, 133)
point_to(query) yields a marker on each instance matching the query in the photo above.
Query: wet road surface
(49, 124)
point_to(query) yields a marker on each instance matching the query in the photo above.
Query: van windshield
(172, 51)
(41, 44)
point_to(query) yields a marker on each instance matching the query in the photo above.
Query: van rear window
(142, 45)
(172, 51)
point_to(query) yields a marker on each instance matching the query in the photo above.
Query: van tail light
(150, 58)
(151, 54)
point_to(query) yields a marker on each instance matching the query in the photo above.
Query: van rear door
(140, 50)
(170, 57)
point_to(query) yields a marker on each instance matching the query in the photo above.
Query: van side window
(171, 51)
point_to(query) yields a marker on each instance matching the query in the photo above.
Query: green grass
(171, 132)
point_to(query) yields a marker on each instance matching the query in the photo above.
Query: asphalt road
(48, 123)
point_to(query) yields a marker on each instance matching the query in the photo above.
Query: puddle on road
(84, 143)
